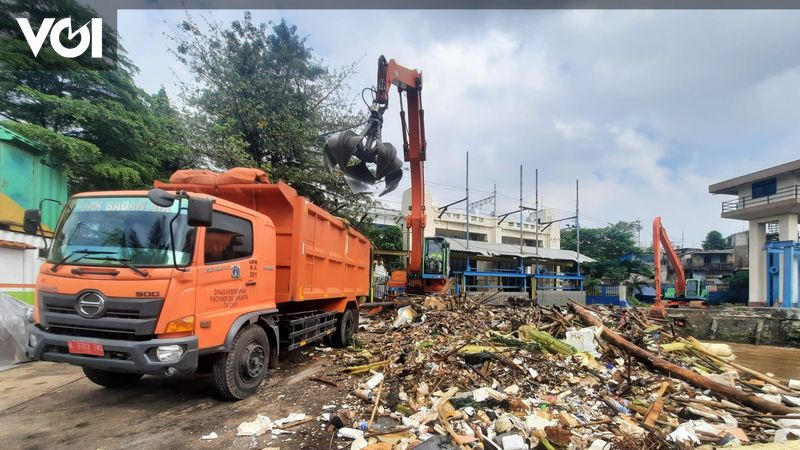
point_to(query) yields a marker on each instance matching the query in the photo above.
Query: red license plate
(85, 348)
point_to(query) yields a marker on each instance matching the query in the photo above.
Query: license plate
(85, 348)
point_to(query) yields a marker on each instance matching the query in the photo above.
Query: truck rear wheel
(111, 379)
(239, 372)
(346, 326)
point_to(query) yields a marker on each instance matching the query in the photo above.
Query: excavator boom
(660, 237)
(353, 152)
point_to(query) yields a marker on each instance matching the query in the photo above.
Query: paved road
(48, 405)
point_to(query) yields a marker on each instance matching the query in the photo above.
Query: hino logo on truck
(49, 25)
(91, 305)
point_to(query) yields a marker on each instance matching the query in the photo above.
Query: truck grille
(122, 318)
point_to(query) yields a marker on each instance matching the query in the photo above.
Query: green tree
(88, 111)
(383, 237)
(738, 286)
(715, 241)
(261, 98)
(613, 248)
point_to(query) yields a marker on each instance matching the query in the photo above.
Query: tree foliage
(715, 241)
(608, 246)
(264, 100)
(107, 131)
(739, 285)
(383, 237)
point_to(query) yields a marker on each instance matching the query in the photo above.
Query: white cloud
(647, 108)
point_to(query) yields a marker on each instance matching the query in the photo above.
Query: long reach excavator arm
(660, 237)
(353, 152)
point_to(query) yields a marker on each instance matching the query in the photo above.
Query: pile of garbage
(447, 373)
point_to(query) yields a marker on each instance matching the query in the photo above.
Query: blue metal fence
(604, 295)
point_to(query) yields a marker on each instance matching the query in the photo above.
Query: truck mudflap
(118, 355)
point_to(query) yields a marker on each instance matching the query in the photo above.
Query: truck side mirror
(32, 221)
(161, 198)
(200, 212)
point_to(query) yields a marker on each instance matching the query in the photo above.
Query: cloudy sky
(646, 108)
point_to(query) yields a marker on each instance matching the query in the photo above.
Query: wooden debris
(692, 377)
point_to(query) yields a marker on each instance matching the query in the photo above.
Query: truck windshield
(129, 230)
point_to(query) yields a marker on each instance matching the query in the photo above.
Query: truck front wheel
(111, 379)
(239, 372)
(346, 326)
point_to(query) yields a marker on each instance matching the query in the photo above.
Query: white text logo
(49, 25)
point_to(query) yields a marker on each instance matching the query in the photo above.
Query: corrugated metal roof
(8, 135)
(488, 249)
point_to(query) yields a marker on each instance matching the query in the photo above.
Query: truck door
(227, 279)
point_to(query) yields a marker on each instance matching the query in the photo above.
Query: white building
(386, 216)
(769, 200)
(482, 227)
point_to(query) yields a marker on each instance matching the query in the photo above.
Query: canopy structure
(488, 249)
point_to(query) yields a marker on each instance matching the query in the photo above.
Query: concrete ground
(48, 405)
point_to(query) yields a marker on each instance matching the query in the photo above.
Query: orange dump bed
(318, 255)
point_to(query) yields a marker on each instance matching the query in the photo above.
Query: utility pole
(577, 227)
(536, 206)
(536, 225)
(639, 233)
(521, 212)
(467, 208)
(494, 201)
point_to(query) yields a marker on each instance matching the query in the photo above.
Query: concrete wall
(782, 181)
(767, 326)
(560, 298)
(19, 267)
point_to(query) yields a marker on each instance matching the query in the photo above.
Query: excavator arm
(660, 237)
(352, 152)
(409, 81)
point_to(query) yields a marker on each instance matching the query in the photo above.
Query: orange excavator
(365, 160)
(694, 297)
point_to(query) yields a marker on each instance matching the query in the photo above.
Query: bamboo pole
(691, 377)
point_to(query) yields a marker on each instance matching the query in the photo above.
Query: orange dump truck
(211, 272)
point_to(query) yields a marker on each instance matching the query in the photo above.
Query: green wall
(28, 174)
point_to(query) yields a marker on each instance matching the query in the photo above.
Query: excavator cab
(696, 289)
(436, 258)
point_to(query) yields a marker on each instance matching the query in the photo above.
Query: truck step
(299, 329)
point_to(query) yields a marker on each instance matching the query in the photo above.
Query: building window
(764, 188)
(227, 239)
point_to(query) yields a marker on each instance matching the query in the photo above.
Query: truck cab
(162, 282)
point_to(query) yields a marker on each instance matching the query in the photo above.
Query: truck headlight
(169, 353)
(29, 315)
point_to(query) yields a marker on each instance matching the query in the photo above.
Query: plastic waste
(257, 427)
(405, 315)
(349, 433)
